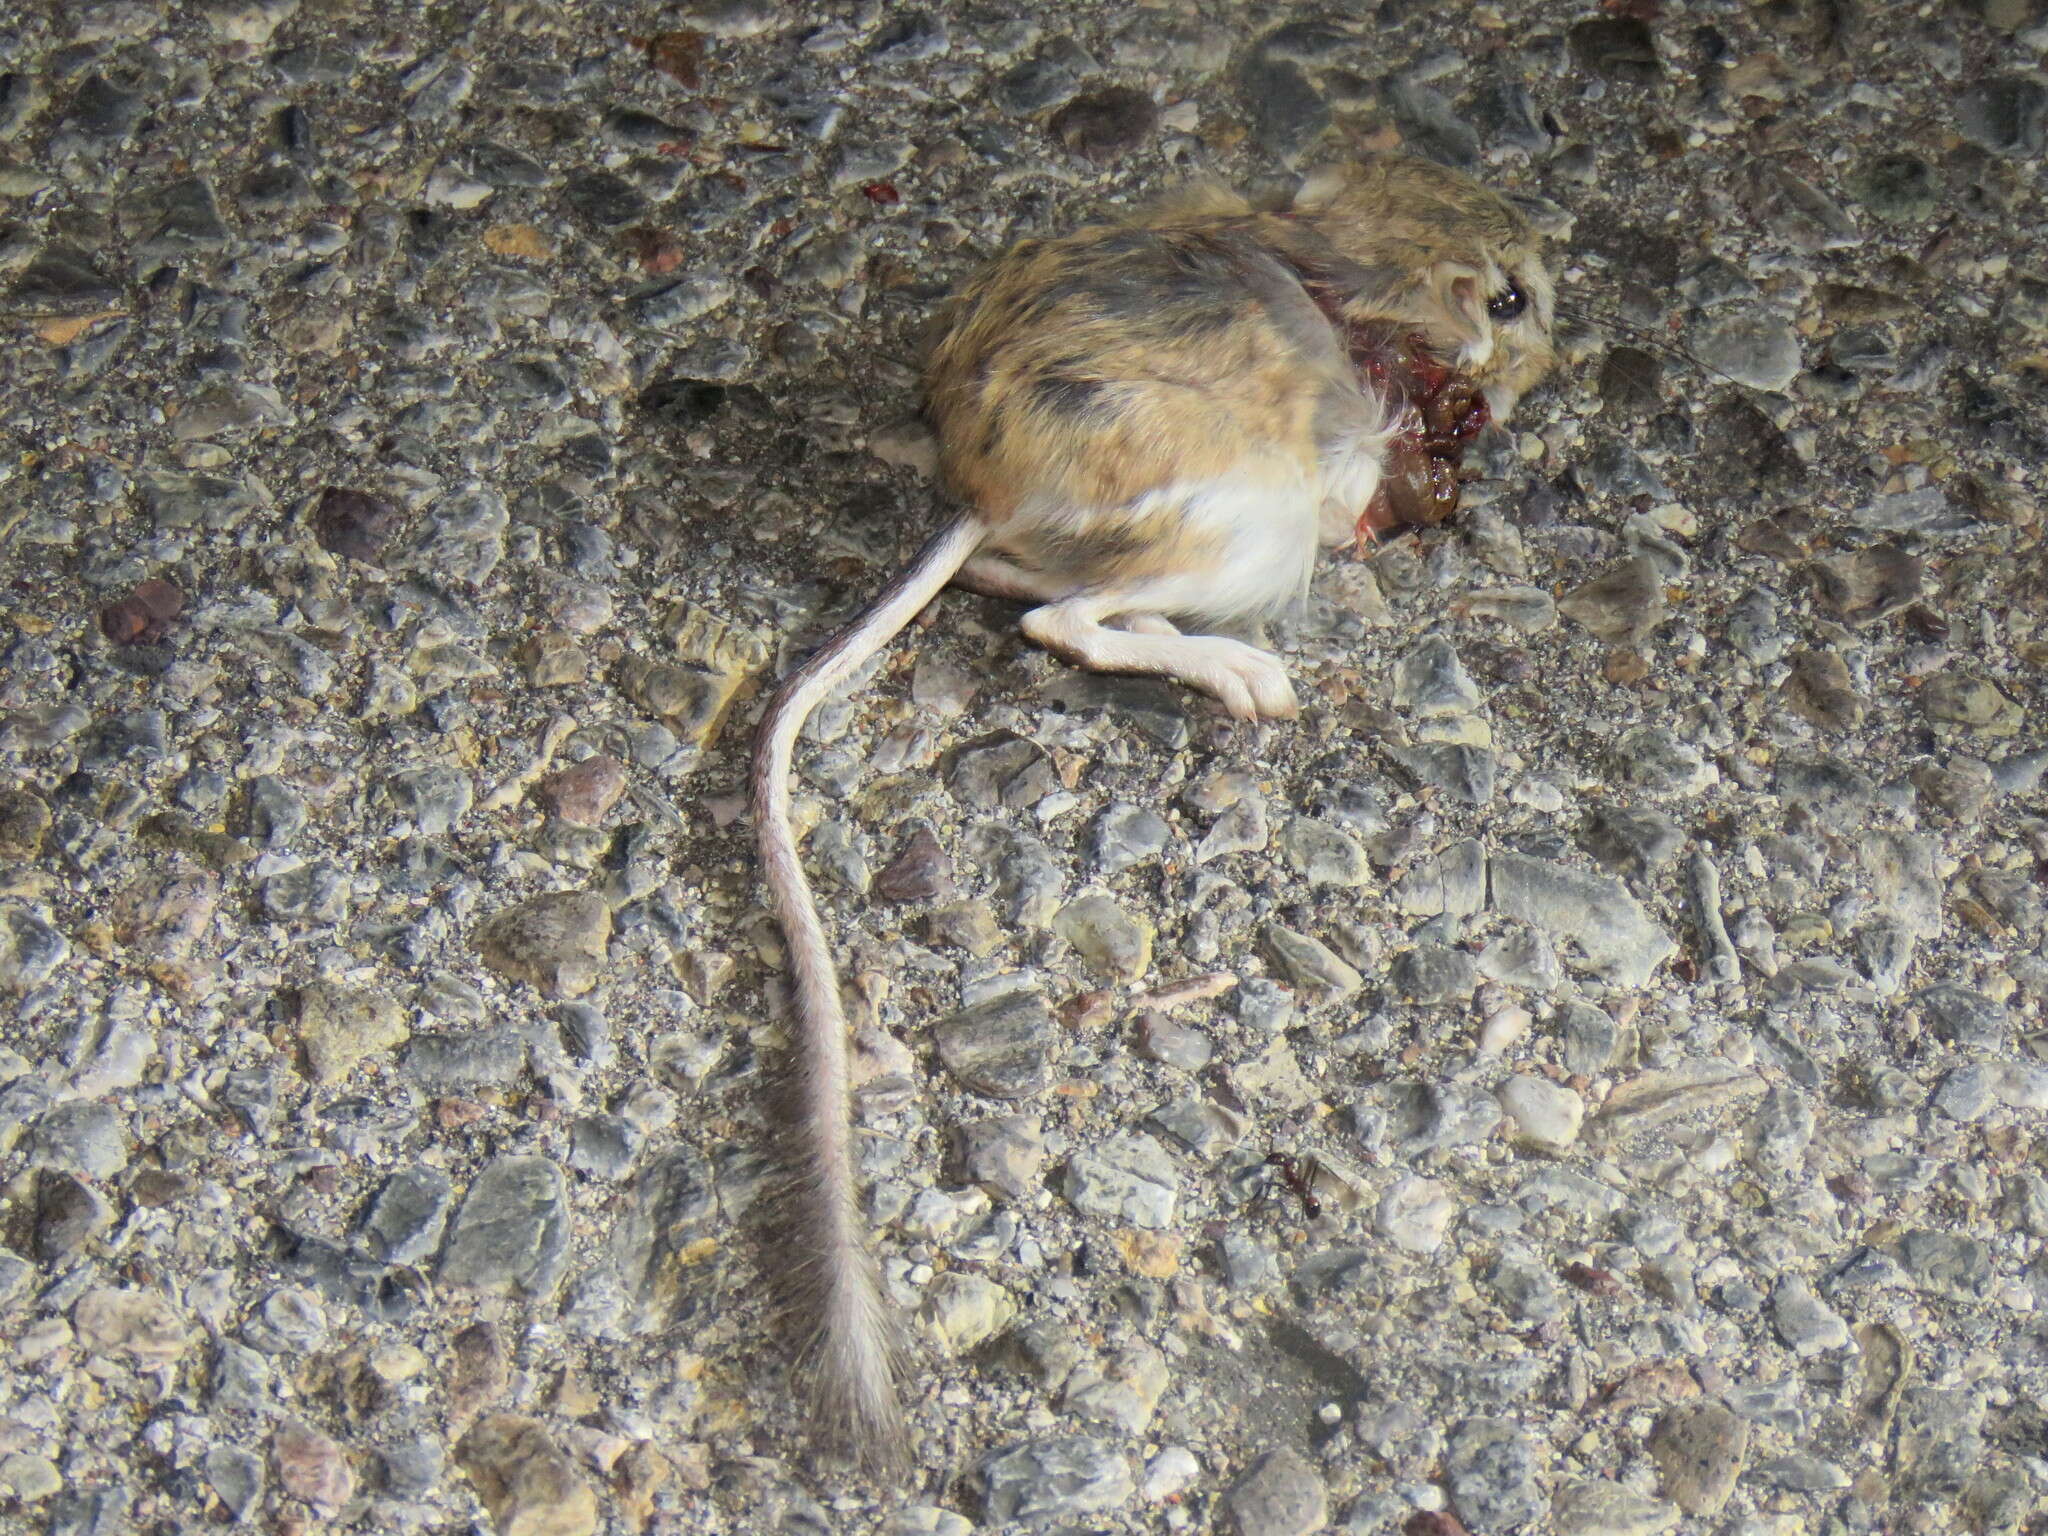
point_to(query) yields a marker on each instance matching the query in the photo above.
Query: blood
(1442, 412)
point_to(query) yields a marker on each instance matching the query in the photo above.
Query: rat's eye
(1508, 304)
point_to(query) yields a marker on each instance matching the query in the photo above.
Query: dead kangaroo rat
(1150, 424)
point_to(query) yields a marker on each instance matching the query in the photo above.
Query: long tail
(850, 1352)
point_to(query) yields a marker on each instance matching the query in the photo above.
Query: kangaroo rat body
(1149, 422)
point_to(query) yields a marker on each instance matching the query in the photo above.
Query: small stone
(163, 914)
(1545, 1114)
(1523, 958)
(463, 1063)
(1597, 1507)
(1414, 1213)
(1657, 762)
(68, 1214)
(1975, 703)
(1171, 1472)
(1618, 937)
(1808, 1325)
(1032, 85)
(1622, 604)
(1433, 974)
(82, 1136)
(523, 1478)
(1323, 853)
(24, 822)
(1821, 691)
(1002, 771)
(1309, 966)
(1003, 1048)
(694, 695)
(1004, 1155)
(2007, 114)
(1274, 1080)
(30, 949)
(1966, 1019)
(583, 793)
(1801, 1474)
(603, 1146)
(512, 1231)
(1868, 585)
(311, 1467)
(1940, 1439)
(1104, 126)
(1130, 1178)
(1114, 943)
(1125, 835)
(1431, 682)
(920, 872)
(1281, 1494)
(1797, 211)
(142, 1325)
(1059, 1478)
(430, 799)
(557, 942)
(1621, 48)
(241, 1379)
(552, 660)
(144, 614)
(964, 1310)
(1754, 348)
(62, 280)
(911, 37)
(1491, 1466)
(1945, 1263)
(1898, 187)
(236, 1476)
(1242, 828)
(410, 1469)
(339, 1026)
(1631, 383)
(1700, 1447)
(1289, 115)
(1174, 1044)
(1506, 115)
(966, 925)
(406, 1218)
(1631, 841)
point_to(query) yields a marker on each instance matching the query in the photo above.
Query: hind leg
(998, 576)
(1251, 683)
(994, 576)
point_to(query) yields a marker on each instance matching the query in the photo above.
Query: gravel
(427, 440)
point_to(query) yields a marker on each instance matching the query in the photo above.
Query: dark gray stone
(405, 1219)
(2007, 114)
(1002, 1048)
(512, 1230)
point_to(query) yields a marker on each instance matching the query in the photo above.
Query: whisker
(1643, 336)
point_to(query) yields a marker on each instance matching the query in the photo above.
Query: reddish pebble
(143, 613)
(583, 793)
(1594, 1282)
(312, 1467)
(919, 872)
(655, 250)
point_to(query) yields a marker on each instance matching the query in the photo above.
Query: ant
(1299, 1175)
